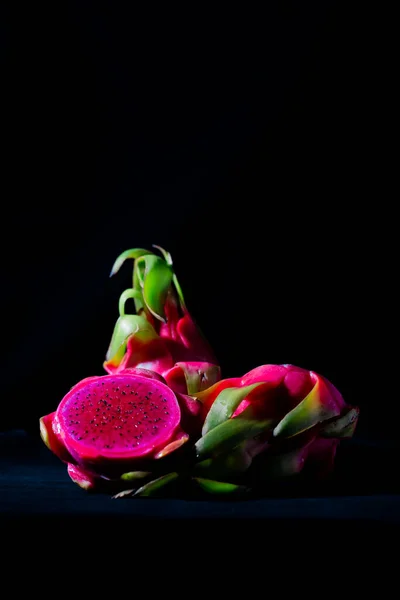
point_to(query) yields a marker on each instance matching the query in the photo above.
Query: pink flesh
(118, 416)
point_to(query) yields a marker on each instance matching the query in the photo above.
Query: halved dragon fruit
(162, 336)
(119, 427)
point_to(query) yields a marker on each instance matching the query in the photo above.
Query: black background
(248, 143)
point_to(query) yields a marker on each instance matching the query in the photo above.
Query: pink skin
(100, 428)
(190, 377)
(153, 355)
(176, 379)
(183, 338)
(179, 340)
(320, 456)
(285, 386)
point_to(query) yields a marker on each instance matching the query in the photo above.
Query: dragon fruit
(162, 416)
(121, 427)
(161, 336)
(275, 422)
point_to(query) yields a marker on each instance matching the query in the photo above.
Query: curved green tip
(157, 486)
(167, 256)
(132, 253)
(153, 277)
(126, 295)
(219, 487)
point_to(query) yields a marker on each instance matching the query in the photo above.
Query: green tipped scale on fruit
(220, 488)
(225, 405)
(230, 433)
(157, 487)
(135, 475)
(134, 254)
(318, 406)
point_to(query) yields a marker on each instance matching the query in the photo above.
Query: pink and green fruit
(162, 336)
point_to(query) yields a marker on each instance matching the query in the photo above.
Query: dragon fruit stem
(129, 293)
(179, 292)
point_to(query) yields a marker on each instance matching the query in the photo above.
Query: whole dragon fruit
(120, 428)
(274, 422)
(162, 336)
